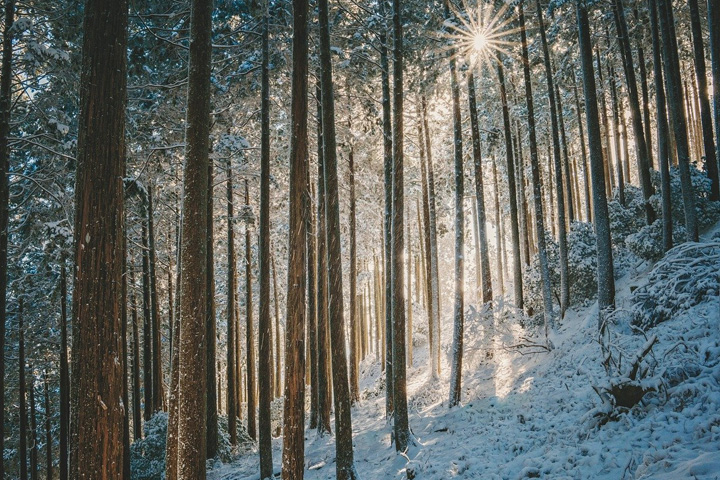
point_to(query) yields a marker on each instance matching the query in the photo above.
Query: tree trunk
(606, 127)
(212, 392)
(537, 193)
(459, 308)
(157, 385)
(486, 281)
(586, 174)
(64, 379)
(324, 395)
(498, 229)
(311, 303)
(48, 430)
(251, 383)
(22, 392)
(711, 162)
(557, 160)
(97, 378)
(294, 406)
(33, 427)
(5, 107)
(568, 174)
(644, 85)
(606, 282)
(354, 359)
(641, 148)
(663, 133)
(343, 428)
(232, 406)
(433, 256)
(673, 87)
(617, 129)
(192, 383)
(137, 418)
(713, 13)
(388, 174)
(265, 366)
(147, 327)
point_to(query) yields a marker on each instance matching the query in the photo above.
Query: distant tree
(96, 449)
(232, 407)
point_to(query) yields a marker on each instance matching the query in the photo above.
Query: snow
(532, 413)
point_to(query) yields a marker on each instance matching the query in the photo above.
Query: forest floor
(531, 413)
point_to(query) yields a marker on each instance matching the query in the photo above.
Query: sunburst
(479, 33)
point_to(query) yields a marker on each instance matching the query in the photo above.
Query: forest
(360, 239)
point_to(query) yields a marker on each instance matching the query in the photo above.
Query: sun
(478, 33)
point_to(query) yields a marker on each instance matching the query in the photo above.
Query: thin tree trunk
(430, 305)
(157, 385)
(663, 130)
(673, 88)
(5, 107)
(542, 251)
(192, 384)
(345, 468)
(311, 305)
(147, 327)
(265, 366)
(459, 309)
(567, 169)
(324, 395)
(33, 426)
(64, 379)
(232, 406)
(22, 392)
(560, 195)
(711, 161)
(713, 13)
(481, 233)
(644, 85)
(498, 229)
(212, 392)
(251, 383)
(294, 406)
(641, 148)
(97, 378)
(433, 255)
(387, 241)
(607, 164)
(48, 430)
(606, 282)
(354, 359)
(137, 417)
(617, 128)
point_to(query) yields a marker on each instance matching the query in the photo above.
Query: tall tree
(676, 111)
(5, 106)
(232, 406)
(711, 161)
(265, 367)
(606, 281)
(157, 383)
(486, 282)
(192, 384)
(641, 147)
(458, 313)
(713, 13)
(400, 413)
(97, 425)
(211, 412)
(251, 363)
(663, 130)
(535, 166)
(559, 194)
(354, 354)
(345, 467)
(294, 406)
(387, 226)
(22, 392)
(48, 429)
(64, 379)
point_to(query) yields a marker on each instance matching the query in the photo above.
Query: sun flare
(478, 34)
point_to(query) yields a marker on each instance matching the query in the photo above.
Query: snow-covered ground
(529, 413)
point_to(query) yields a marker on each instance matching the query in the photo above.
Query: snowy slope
(527, 413)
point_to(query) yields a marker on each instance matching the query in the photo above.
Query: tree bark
(345, 468)
(250, 366)
(157, 383)
(663, 130)
(324, 394)
(5, 107)
(484, 267)
(97, 389)
(641, 148)
(265, 366)
(294, 406)
(232, 406)
(354, 358)
(211, 412)
(673, 88)
(606, 282)
(713, 13)
(147, 327)
(64, 379)
(137, 417)
(711, 161)
(586, 174)
(557, 160)
(192, 383)
(22, 392)
(48, 430)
